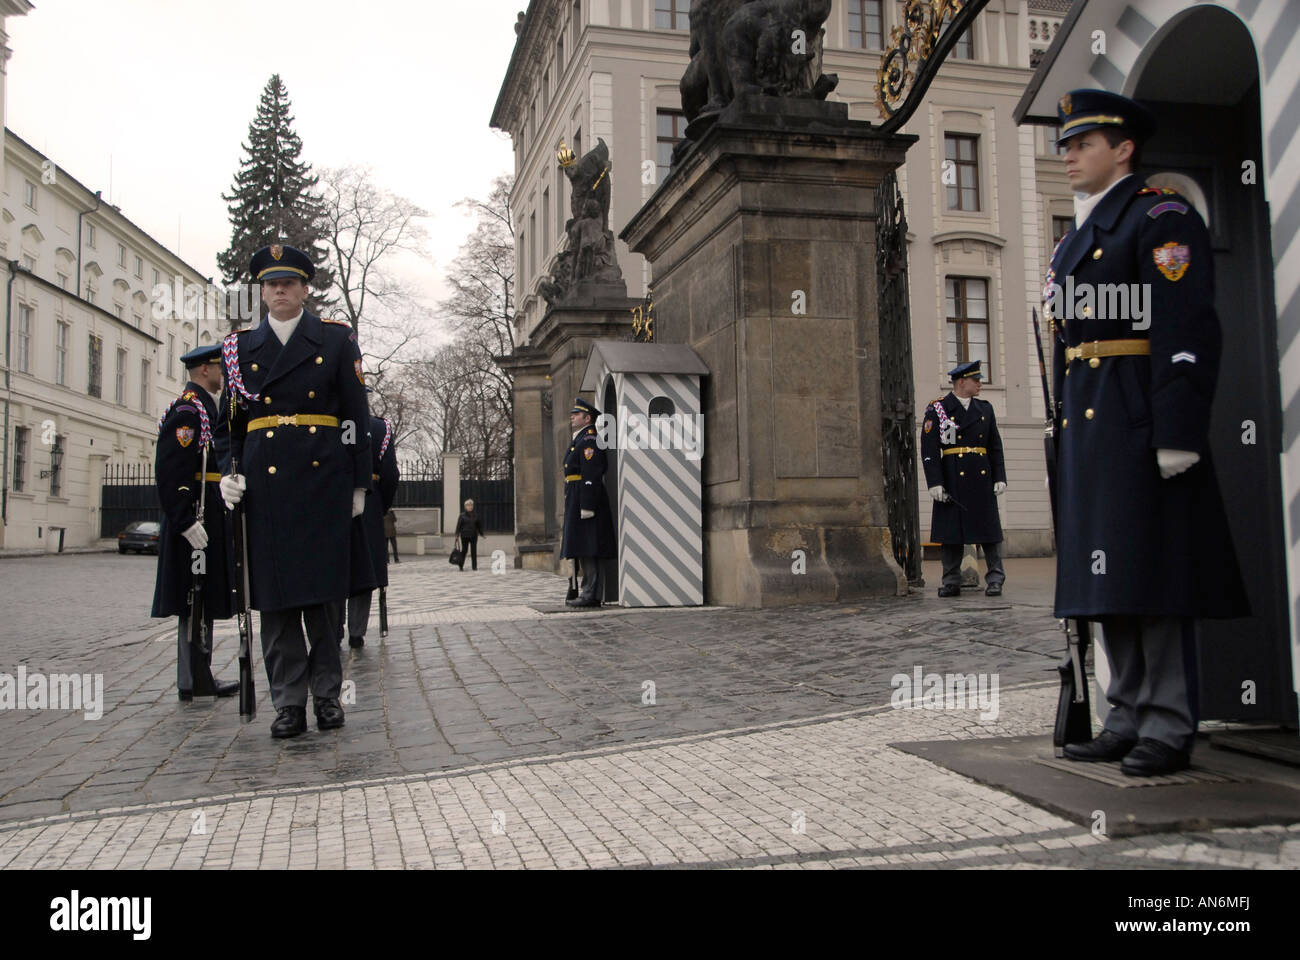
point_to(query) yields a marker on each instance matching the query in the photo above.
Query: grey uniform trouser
(1153, 679)
(184, 678)
(951, 553)
(354, 614)
(290, 670)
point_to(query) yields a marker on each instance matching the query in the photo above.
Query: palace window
(21, 438)
(866, 28)
(967, 309)
(94, 376)
(671, 130)
(672, 14)
(23, 358)
(61, 353)
(119, 382)
(961, 155)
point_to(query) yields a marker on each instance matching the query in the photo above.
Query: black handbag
(457, 554)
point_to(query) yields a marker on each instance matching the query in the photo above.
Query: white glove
(1174, 462)
(939, 494)
(586, 514)
(232, 489)
(999, 488)
(358, 502)
(196, 535)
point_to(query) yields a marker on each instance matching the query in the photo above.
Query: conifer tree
(274, 197)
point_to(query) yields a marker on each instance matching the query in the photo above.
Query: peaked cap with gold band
(1082, 110)
(278, 262)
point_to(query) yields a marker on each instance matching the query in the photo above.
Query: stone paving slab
(469, 674)
(806, 794)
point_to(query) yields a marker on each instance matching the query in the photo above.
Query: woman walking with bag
(468, 530)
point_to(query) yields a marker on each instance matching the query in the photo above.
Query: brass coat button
(320, 359)
(270, 469)
(1096, 254)
(311, 394)
(1065, 422)
(253, 367)
(266, 400)
(315, 463)
(983, 472)
(270, 434)
(311, 429)
(1089, 413)
(961, 473)
(1095, 362)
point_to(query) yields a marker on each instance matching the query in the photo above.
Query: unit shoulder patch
(1172, 259)
(589, 452)
(184, 436)
(929, 424)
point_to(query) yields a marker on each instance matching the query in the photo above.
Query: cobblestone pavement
(486, 733)
(812, 794)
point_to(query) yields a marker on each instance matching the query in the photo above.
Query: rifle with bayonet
(201, 682)
(1073, 705)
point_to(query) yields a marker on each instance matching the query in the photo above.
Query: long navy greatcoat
(177, 464)
(972, 515)
(300, 478)
(384, 476)
(1129, 542)
(584, 489)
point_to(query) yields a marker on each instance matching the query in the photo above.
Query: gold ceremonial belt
(1108, 348)
(573, 476)
(209, 477)
(961, 450)
(296, 420)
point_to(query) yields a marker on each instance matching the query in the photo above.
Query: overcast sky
(149, 101)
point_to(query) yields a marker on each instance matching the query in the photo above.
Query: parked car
(140, 537)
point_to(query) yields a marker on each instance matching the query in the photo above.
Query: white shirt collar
(1085, 203)
(283, 329)
(964, 401)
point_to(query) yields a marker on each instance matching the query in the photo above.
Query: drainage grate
(1110, 774)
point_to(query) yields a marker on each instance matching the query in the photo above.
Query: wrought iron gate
(897, 392)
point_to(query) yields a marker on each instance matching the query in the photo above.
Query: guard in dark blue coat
(379, 500)
(588, 520)
(961, 453)
(300, 437)
(1143, 544)
(185, 431)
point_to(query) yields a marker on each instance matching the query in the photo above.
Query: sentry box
(652, 427)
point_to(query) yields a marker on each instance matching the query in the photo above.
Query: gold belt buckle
(290, 421)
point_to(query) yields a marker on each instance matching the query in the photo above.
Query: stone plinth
(564, 337)
(762, 247)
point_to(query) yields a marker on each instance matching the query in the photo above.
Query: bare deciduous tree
(481, 313)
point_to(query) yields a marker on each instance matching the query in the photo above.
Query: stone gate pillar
(762, 249)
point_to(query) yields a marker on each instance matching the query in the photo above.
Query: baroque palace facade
(88, 365)
(584, 70)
